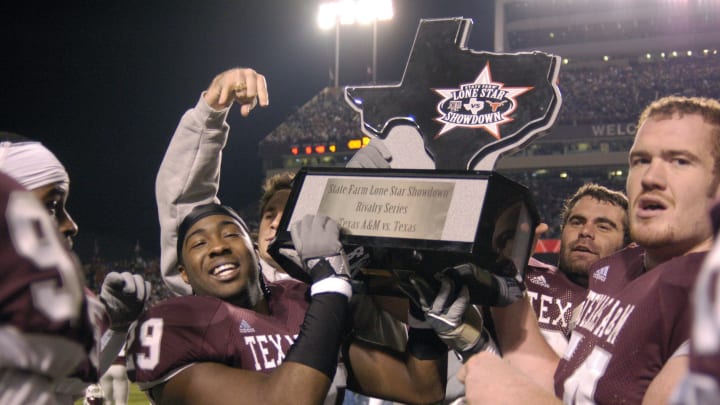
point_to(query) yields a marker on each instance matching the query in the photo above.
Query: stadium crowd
(610, 93)
(326, 118)
(605, 93)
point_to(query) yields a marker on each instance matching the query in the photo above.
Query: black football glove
(486, 288)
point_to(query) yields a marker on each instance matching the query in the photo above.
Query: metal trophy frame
(454, 113)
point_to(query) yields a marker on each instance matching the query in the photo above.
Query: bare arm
(522, 344)
(380, 373)
(665, 382)
(207, 383)
(489, 379)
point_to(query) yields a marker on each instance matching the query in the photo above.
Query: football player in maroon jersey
(630, 342)
(594, 225)
(122, 295)
(235, 339)
(181, 189)
(45, 333)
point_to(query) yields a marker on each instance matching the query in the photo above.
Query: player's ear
(183, 273)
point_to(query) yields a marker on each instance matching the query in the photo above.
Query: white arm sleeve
(189, 175)
(110, 346)
(18, 387)
(53, 356)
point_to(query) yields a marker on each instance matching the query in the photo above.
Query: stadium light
(348, 12)
(354, 144)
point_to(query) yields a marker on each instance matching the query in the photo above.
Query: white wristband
(332, 285)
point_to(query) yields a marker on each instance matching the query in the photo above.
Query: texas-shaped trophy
(438, 202)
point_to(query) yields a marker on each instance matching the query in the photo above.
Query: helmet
(94, 395)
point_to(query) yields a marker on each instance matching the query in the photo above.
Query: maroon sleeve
(174, 334)
(41, 282)
(182, 331)
(553, 297)
(40, 279)
(674, 303)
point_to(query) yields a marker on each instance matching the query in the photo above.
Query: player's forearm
(214, 383)
(427, 378)
(395, 376)
(523, 345)
(110, 345)
(490, 379)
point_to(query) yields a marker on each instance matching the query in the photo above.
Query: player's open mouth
(225, 271)
(582, 249)
(649, 206)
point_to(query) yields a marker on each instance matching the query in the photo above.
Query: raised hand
(243, 85)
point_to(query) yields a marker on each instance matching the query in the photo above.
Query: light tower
(348, 12)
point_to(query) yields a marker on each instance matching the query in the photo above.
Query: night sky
(103, 85)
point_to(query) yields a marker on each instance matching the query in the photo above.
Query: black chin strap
(263, 286)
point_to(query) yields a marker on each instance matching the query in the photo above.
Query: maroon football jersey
(630, 325)
(179, 332)
(43, 320)
(553, 297)
(97, 320)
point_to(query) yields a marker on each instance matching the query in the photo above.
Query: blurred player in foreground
(122, 296)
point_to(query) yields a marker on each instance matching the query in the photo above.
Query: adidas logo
(539, 280)
(601, 273)
(245, 327)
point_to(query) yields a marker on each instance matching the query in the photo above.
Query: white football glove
(446, 316)
(375, 155)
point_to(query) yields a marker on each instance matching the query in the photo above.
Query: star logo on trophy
(481, 104)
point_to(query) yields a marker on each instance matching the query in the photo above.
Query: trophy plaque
(455, 112)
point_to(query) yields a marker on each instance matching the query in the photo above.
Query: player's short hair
(273, 184)
(707, 108)
(599, 193)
